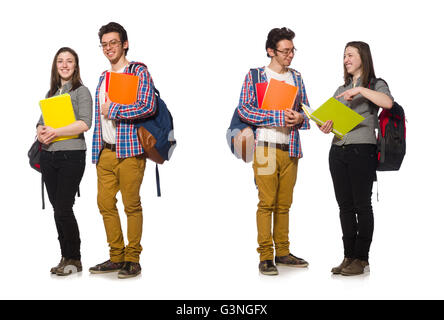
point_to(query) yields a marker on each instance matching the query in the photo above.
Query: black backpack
(34, 162)
(391, 141)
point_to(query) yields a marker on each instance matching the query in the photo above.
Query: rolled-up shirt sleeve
(85, 106)
(381, 86)
(250, 114)
(40, 122)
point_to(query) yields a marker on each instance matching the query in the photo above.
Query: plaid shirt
(273, 118)
(127, 143)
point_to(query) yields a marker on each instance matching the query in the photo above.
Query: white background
(200, 237)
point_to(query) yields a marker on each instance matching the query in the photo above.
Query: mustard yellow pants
(124, 175)
(275, 175)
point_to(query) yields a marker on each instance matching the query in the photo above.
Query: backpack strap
(372, 86)
(256, 75)
(158, 181)
(377, 186)
(43, 194)
(132, 67)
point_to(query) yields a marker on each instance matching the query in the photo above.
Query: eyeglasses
(287, 51)
(111, 44)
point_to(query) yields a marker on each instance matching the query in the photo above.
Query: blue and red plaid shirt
(127, 143)
(273, 118)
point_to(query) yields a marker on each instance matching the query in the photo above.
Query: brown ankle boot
(344, 263)
(356, 267)
(69, 267)
(61, 263)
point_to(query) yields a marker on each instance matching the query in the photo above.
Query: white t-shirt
(276, 134)
(108, 126)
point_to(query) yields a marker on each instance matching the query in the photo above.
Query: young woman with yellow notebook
(63, 160)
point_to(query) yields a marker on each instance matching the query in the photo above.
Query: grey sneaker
(69, 266)
(129, 270)
(268, 268)
(356, 267)
(344, 263)
(291, 261)
(106, 267)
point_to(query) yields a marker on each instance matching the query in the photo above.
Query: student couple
(120, 164)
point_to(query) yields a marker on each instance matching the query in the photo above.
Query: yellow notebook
(344, 119)
(58, 112)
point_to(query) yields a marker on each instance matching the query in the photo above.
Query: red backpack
(391, 140)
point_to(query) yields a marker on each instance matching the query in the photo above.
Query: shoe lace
(104, 264)
(127, 266)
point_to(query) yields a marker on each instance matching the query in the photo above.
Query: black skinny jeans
(353, 170)
(62, 172)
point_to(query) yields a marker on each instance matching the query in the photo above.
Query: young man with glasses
(117, 154)
(278, 149)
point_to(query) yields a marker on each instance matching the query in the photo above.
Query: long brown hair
(56, 81)
(368, 71)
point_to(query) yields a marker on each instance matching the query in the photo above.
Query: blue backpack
(156, 135)
(240, 135)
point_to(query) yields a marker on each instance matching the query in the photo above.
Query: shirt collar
(66, 87)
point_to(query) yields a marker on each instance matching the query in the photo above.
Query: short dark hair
(276, 35)
(114, 27)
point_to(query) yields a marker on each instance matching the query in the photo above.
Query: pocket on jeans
(365, 150)
(137, 163)
(76, 156)
(366, 154)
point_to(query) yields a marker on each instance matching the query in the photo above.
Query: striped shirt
(273, 118)
(127, 143)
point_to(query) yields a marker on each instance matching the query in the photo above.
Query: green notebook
(344, 119)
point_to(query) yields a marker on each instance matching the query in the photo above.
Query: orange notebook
(122, 88)
(279, 95)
